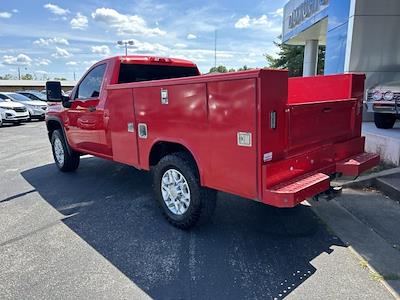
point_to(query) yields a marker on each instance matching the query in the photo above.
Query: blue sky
(58, 38)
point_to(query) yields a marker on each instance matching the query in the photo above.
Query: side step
(291, 193)
(355, 165)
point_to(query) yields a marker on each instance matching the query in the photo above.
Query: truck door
(86, 119)
(122, 126)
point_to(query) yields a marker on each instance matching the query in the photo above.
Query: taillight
(160, 59)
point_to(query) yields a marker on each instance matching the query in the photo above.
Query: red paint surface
(318, 127)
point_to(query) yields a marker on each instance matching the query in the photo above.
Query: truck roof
(151, 60)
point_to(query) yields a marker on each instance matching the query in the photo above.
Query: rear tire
(66, 161)
(384, 121)
(182, 200)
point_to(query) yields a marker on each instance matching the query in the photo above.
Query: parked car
(33, 95)
(12, 112)
(36, 108)
(255, 134)
(67, 93)
(384, 101)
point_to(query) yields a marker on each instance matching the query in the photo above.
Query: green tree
(60, 78)
(7, 77)
(244, 68)
(291, 57)
(27, 77)
(219, 69)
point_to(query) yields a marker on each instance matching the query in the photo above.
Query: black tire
(384, 121)
(70, 160)
(202, 200)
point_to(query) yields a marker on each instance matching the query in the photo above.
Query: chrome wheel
(58, 151)
(175, 191)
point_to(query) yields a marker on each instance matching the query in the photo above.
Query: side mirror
(53, 91)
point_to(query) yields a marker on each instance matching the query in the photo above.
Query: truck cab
(88, 112)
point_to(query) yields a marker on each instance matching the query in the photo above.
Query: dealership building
(360, 36)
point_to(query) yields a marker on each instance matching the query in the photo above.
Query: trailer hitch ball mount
(329, 194)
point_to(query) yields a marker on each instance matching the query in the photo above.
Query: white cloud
(191, 36)
(278, 12)
(15, 11)
(103, 49)
(146, 47)
(71, 63)
(42, 61)
(79, 22)
(243, 22)
(125, 24)
(224, 55)
(5, 15)
(20, 59)
(61, 53)
(247, 22)
(55, 9)
(47, 42)
(180, 45)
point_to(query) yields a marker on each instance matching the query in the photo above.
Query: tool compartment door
(232, 137)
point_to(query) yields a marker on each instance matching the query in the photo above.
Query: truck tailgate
(315, 123)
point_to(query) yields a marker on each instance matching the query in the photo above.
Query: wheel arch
(52, 124)
(162, 148)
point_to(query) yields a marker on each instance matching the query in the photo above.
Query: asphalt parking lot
(98, 234)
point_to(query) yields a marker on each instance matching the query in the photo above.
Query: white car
(12, 112)
(37, 109)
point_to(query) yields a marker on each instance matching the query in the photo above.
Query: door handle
(91, 108)
(327, 109)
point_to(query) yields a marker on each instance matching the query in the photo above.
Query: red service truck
(257, 134)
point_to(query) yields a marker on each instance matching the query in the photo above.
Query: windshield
(18, 97)
(134, 73)
(3, 98)
(38, 95)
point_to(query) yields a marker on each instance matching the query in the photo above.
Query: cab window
(91, 84)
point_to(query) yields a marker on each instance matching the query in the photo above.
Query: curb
(372, 270)
(376, 180)
(361, 240)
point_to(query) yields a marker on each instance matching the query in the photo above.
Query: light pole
(126, 43)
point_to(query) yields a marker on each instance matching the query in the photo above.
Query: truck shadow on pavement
(249, 250)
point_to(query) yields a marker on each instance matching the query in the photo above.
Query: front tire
(177, 187)
(384, 121)
(66, 161)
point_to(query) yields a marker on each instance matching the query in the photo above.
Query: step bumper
(291, 193)
(355, 165)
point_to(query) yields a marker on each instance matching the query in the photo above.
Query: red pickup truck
(256, 134)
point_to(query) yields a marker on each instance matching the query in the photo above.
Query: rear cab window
(140, 72)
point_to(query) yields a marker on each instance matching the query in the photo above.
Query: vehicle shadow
(249, 250)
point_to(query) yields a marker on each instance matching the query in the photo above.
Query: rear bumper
(355, 165)
(307, 175)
